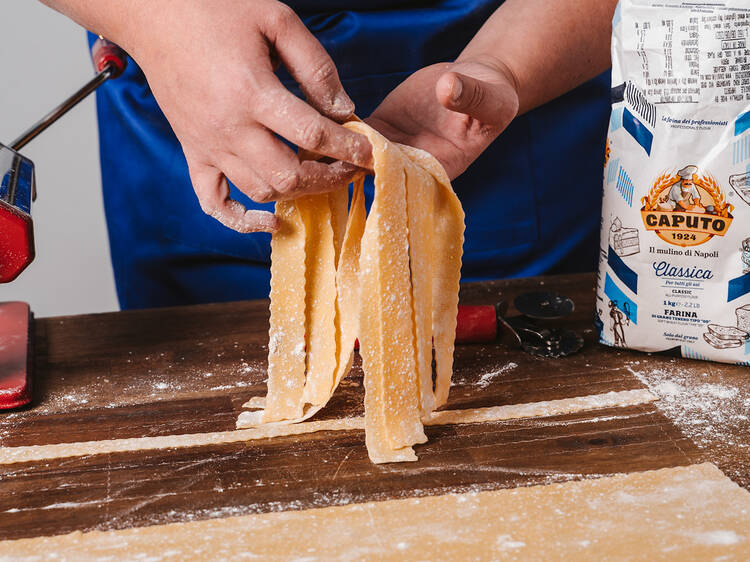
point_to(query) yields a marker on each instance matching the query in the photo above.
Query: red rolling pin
(476, 324)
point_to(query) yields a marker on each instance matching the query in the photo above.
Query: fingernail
(342, 104)
(261, 221)
(456, 89)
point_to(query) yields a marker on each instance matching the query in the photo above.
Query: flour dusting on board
(485, 380)
(713, 414)
(132, 378)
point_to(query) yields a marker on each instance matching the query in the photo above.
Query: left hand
(451, 110)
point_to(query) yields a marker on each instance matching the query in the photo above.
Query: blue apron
(532, 200)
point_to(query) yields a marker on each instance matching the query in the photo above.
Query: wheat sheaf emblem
(707, 182)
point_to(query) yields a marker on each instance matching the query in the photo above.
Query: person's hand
(453, 111)
(210, 65)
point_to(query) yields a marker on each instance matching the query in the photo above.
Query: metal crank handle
(110, 62)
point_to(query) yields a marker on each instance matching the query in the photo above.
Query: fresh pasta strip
(320, 298)
(390, 277)
(392, 417)
(448, 236)
(420, 206)
(347, 281)
(286, 346)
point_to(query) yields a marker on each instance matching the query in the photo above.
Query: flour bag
(674, 269)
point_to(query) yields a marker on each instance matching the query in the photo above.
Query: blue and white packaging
(674, 266)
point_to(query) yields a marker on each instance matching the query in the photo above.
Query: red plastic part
(16, 242)
(15, 355)
(475, 324)
(105, 53)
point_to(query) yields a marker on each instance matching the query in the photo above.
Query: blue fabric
(532, 199)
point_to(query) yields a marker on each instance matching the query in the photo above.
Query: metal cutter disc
(551, 343)
(544, 305)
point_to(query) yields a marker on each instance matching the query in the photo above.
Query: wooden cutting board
(189, 370)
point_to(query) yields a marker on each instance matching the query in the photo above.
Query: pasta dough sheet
(390, 277)
(31, 453)
(686, 513)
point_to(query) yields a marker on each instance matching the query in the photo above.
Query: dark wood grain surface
(188, 370)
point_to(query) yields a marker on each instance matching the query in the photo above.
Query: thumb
(490, 103)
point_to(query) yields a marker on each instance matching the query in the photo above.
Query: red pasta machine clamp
(18, 189)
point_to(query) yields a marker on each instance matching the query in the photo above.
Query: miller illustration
(686, 208)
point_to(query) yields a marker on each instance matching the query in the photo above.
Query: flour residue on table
(487, 378)
(132, 379)
(704, 404)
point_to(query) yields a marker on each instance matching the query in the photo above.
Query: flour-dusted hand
(453, 111)
(210, 65)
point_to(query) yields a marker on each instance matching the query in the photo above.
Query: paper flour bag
(674, 266)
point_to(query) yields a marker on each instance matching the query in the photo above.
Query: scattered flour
(723, 538)
(236, 384)
(713, 415)
(506, 542)
(487, 378)
(169, 378)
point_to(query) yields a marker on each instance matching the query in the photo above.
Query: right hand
(210, 65)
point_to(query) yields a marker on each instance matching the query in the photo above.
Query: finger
(320, 177)
(309, 64)
(213, 194)
(260, 164)
(266, 169)
(484, 101)
(350, 170)
(285, 114)
(309, 177)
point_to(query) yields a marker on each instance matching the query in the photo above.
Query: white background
(43, 59)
